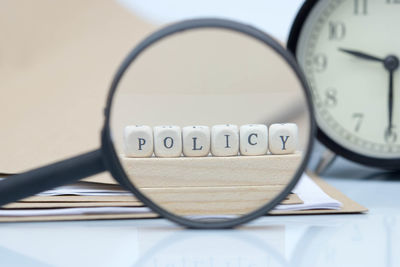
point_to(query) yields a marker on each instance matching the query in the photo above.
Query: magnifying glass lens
(210, 124)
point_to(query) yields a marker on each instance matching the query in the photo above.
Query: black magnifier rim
(111, 156)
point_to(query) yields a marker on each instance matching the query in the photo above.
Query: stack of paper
(80, 201)
(86, 200)
(312, 195)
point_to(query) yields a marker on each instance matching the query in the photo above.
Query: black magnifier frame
(106, 159)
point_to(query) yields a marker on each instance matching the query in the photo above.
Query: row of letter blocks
(198, 141)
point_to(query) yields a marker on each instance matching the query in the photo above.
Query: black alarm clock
(349, 51)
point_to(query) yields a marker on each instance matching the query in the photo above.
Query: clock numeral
(361, 7)
(391, 135)
(358, 117)
(320, 62)
(337, 30)
(331, 97)
(392, 1)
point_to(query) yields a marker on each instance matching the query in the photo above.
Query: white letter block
(167, 141)
(283, 138)
(196, 141)
(253, 139)
(224, 140)
(138, 141)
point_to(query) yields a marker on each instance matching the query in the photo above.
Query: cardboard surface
(80, 199)
(53, 204)
(79, 217)
(57, 62)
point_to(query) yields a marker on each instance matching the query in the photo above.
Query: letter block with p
(138, 141)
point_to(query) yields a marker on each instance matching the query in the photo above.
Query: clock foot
(326, 159)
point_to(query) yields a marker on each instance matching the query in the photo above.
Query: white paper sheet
(312, 196)
(87, 189)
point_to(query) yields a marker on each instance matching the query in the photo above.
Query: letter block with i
(138, 141)
(224, 140)
(283, 138)
(167, 141)
(196, 141)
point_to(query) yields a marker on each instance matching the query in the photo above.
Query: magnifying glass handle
(29, 183)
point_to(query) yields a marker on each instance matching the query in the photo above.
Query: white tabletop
(371, 239)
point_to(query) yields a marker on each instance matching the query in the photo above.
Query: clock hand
(391, 63)
(390, 104)
(361, 55)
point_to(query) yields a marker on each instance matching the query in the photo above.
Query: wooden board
(212, 185)
(238, 200)
(274, 170)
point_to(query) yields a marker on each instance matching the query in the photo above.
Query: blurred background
(274, 17)
(57, 60)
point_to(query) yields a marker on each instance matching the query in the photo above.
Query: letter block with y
(138, 141)
(283, 138)
(167, 141)
(196, 141)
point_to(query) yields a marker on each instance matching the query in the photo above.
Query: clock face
(348, 50)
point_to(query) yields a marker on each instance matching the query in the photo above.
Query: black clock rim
(391, 164)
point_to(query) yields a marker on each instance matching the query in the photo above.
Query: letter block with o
(167, 141)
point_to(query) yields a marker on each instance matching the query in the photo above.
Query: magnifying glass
(208, 122)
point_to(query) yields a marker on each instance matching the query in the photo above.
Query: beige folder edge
(349, 207)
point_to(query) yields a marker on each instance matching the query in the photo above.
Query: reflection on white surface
(274, 17)
(367, 243)
(278, 241)
(211, 249)
(329, 240)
